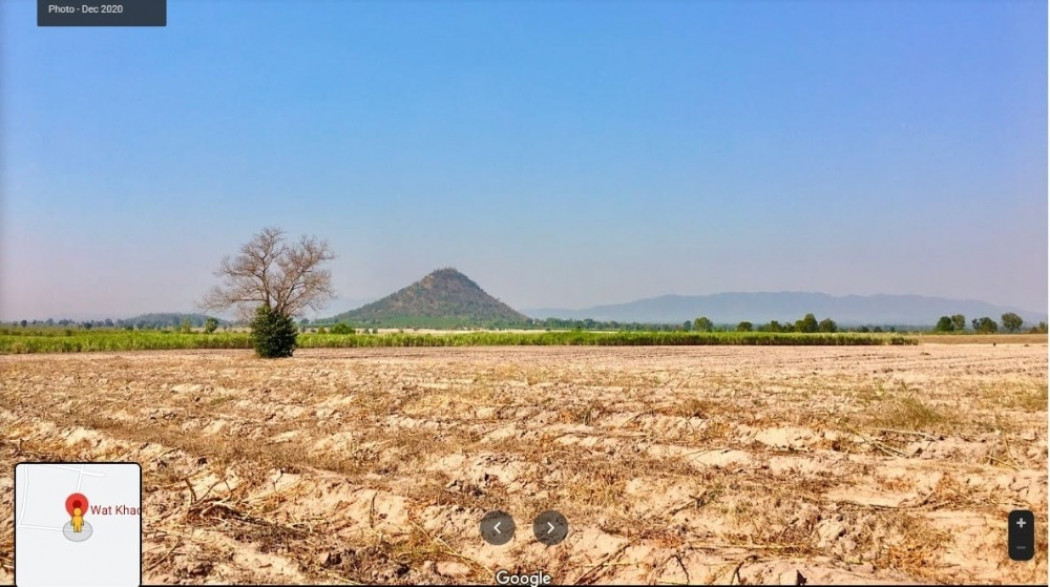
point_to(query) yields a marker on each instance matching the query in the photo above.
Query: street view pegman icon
(77, 529)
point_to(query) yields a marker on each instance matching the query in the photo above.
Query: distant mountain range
(448, 299)
(729, 308)
(444, 299)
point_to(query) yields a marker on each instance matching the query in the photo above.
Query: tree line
(1011, 323)
(175, 322)
(807, 323)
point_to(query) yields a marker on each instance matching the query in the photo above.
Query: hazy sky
(561, 154)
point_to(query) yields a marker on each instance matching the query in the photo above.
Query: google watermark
(532, 579)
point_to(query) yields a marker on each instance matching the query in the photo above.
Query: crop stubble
(697, 464)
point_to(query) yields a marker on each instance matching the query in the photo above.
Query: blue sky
(562, 154)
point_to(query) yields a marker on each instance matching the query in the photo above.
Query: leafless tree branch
(289, 279)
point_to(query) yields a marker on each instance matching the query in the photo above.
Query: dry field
(673, 465)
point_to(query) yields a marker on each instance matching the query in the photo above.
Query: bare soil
(672, 465)
(1028, 339)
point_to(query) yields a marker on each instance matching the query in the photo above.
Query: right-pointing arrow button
(550, 527)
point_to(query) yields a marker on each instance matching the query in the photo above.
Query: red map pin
(76, 500)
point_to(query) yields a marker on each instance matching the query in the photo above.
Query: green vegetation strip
(144, 341)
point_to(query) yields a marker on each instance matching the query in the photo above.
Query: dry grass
(844, 464)
(910, 413)
(1033, 339)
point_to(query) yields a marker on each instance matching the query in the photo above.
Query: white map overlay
(112, 552)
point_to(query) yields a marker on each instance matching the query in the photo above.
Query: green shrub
(342, 328)
(272, 335)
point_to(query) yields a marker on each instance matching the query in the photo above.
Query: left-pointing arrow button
(497, 528)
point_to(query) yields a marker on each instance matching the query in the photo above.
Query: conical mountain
(444, 299)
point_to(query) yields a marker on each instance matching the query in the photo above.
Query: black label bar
(102, 12)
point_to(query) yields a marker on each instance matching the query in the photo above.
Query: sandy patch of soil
(703, 464)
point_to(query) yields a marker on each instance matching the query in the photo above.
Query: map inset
(86, 515)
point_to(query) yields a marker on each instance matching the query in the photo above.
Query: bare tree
(289, 279)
